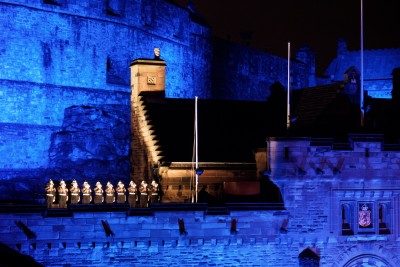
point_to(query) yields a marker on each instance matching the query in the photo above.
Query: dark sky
(270, 25)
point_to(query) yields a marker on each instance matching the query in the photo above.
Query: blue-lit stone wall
(59, 54)
(55, 55)
(319, 179)
(114, 239)
(242, 73)
(155, 240)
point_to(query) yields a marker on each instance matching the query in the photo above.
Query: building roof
(324, 111)
(327, 111)
(378, 64)
(377, 69)
(228, 131)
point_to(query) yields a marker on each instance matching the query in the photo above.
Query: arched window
(309, 258)
(384, 219)
(347, 219)
(367, 260)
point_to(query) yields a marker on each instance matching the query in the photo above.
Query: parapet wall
(198, 236)
(149, 236)
(318, 178)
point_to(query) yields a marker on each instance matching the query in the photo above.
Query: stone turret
(342, 48)
(148, 75)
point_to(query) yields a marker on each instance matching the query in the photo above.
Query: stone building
(378, 67)
(323, 193)
(66, 61)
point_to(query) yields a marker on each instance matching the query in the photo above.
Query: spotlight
(293, 118)
(199, 171)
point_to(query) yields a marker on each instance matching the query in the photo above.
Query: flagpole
(362, 67)
(288, 90)
(196, 148)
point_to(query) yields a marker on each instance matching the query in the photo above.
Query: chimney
(342, 47)
(307, 56)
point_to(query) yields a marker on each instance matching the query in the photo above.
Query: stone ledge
(209, 209)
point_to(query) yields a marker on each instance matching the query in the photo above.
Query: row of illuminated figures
(141, 196)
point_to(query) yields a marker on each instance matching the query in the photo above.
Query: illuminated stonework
(146, 76)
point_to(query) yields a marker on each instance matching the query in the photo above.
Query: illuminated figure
(157, 53)
(86, 193)
(132, 198)
(75, 192)
(155, 196)
(121, 190)
(98, 194)
(50, 193)
(110, 193)
(144, 194)
(63, 195)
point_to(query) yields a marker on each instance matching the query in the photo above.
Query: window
(347, 219)
(365, 217)
(384, 218)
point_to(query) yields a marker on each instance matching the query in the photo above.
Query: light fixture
(199, 171)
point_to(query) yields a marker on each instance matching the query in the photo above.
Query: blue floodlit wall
(65, 113)
(65, 62)
(242, 73)
(310, 231)
(64, 76)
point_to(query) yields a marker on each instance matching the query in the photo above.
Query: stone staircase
(145, 143)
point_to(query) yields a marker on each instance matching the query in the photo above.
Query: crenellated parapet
(363, 157)
(328, 187)
(166, 235)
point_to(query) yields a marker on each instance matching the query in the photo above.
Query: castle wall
(254, 72)
(55, 55)
(81, 240)
(324, 186)
(239, 238)
(80, 44)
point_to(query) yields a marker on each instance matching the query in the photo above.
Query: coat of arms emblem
(364, 216)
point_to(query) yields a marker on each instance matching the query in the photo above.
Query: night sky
(269, 25)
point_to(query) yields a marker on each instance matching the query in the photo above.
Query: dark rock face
(93, 143)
